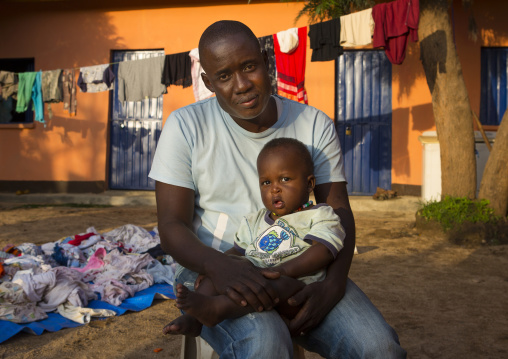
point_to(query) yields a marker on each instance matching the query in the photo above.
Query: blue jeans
(354, 328)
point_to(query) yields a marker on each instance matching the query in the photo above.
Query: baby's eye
(265, 183)
(285, 179)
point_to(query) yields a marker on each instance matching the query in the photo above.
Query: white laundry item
(198, 86)
(356, 29)
(161, 273)
(82, 315)
(133, 237)
(288, 40)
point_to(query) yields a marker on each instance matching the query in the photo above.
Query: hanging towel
(200, 90)
(26, 83)
(325, 40)
(69, 91)
(8, 84)
(37, 98)
(394, 22)
(96, 78)
(140, 79)
(291, 69)
(177, 70)
(288, 40)
(266, 43)
(356, 29)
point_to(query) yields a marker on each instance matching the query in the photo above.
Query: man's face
(236, 71)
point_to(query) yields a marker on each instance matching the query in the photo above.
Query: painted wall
(75, 148)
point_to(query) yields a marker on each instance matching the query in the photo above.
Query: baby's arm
(315, 258)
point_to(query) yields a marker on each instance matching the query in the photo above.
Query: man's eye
(249, 67)
(223, 77)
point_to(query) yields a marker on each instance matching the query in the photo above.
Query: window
(494, 94)
(8, 114)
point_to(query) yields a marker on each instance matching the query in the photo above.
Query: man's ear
(207, 82)
(311, 183)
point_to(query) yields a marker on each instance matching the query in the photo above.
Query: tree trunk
(450, 100)
(494, 186)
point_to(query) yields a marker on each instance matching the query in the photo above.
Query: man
(205, 168)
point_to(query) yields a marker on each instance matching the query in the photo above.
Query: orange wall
(74, 148)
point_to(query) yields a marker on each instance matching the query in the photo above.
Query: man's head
(286, 176)
(235, 69)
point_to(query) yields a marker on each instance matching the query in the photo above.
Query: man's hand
(316, 299)
(243, 283)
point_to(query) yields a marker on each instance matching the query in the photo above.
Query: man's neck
(263, 122)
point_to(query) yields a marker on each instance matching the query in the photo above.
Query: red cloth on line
(291, 69)
(394, 22)
(80, 238)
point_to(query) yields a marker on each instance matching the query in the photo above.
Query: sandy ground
(445, 301)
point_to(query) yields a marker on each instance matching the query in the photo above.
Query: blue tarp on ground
(55, 322)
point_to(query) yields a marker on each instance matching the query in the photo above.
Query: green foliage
(321, 10)
(452, 211)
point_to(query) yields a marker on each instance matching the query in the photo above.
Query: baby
(290, 236)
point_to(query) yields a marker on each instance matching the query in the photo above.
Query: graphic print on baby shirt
(275, 243)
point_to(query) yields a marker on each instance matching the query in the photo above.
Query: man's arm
(320, 297)
(240, 280)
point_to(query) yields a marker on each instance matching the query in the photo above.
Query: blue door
(134, 132)
(363, 119)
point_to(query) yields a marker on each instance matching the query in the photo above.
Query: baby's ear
(311, 183)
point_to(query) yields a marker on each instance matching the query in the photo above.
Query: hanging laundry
(8, 84)
(26, 82)
(140, 79)
(200, 90)
(52, 88)
(266, 43)
(325, 40)
(356, 29)
(37, 98)
(394, 22)
(96, 78)
(291, 66)
(69, 91)
(177, 70)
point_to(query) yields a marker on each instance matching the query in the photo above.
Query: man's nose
(242, 83)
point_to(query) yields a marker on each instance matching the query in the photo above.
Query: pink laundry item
(394, 23)
(95, 261)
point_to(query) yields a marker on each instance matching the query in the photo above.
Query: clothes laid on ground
(33, 284)
(140, 79)
(25, 85)
(325, 40)
(356, 29)
(177, 70)
(291, 66)
(395, 22)
(198, 86)
(69, 91)
(96, 78)
(267, 243)
(266, 43)
(8, 84)
(183, 158)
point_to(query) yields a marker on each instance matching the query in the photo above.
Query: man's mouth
(248, 101)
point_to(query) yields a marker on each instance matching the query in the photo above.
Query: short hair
(293, 144)
(222, 29)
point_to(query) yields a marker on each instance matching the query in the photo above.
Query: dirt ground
(445, 301)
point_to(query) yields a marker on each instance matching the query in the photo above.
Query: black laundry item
(325, 40)
(177, 70)
(266, 43)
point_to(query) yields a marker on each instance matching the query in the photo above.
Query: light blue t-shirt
(202, 148)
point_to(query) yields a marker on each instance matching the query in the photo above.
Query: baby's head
(286, 175)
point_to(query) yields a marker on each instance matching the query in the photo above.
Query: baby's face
(284, 183)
